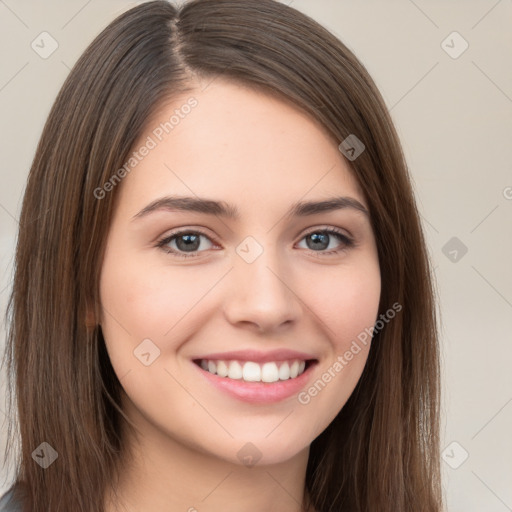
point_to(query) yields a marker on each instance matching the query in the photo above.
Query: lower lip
(259, 392)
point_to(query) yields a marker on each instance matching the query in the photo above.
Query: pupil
(318, 238)
(190, 243)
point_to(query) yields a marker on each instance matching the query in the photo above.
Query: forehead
(231, 142)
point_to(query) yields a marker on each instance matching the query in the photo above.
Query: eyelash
(344, 239)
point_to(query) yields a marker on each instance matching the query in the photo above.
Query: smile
(257, 377)
(251, 371)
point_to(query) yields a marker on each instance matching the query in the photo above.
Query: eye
(186, 243)
(320, 239)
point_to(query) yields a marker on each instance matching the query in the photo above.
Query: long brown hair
(381, 452)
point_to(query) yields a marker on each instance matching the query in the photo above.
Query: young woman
(222, 297)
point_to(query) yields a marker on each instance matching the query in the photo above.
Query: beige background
(454, 116)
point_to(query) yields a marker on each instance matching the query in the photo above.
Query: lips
(255, 376)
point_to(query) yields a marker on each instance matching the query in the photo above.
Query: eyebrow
(223, 209)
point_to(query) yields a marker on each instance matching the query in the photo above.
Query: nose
(262, 295)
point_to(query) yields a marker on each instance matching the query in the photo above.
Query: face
(231, 321)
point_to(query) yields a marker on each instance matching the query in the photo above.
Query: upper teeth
(254, 372)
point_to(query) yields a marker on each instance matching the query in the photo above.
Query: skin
(261, 155)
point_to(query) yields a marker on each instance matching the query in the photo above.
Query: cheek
(346, 302)
(141, 301)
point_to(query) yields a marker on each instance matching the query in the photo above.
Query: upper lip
(258, 356)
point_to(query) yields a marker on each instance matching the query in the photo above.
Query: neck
(160, 474)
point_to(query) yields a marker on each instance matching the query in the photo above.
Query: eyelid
(328, 228)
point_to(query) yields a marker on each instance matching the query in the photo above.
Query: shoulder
(8, 503)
